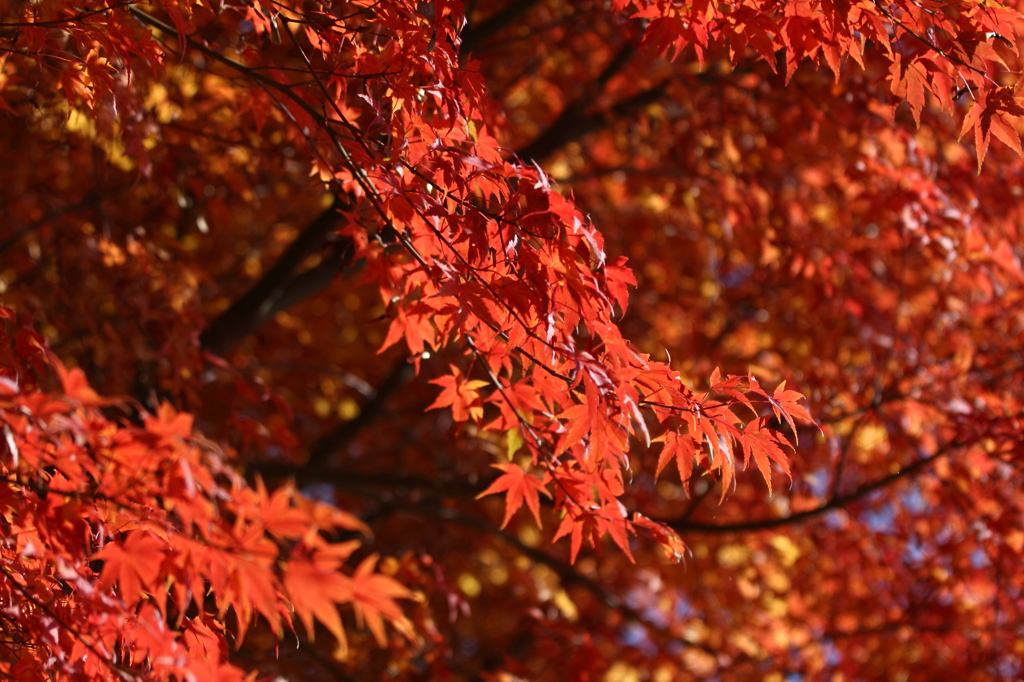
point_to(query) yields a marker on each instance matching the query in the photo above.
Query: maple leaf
(910, 79)
(579, 420)
(206, 641)
(135, 565)
(763, 445)
(681, 449)
(519, 487)
(169, 422)
(617, 278)
(278, 514)
(77, 387)
(785, 405)
(374, 595)
(994, 113)
(617, 526)
(316, 588)
(574, 524)
(461, 394)
(252, 584)
(594, 525)
(670, 541)
(416, 329)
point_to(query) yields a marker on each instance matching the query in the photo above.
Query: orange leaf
(784, 404)
(209, 644)
(673, 545)
(315, 591)
(764, 447)
(519, 486)
(135, 565)
(461, 394)
(681, 448)
(373, 596)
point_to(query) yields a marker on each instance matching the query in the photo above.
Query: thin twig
(801, 517)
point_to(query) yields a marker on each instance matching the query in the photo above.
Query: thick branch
(565, 128)
(371, 484)
(837, 480)
(279, 288)
(575, 121)
(374, 407)
(474, 36)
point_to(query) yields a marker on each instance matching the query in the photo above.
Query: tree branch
(837, 477)
(566, 573)
(697, 501)
(360, 483)
(800, 517)
(280, 288)
(574, 123)
(333, 442)
(474, 36)
(277, 286)
(92, 199)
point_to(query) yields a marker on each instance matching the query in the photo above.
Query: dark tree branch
(575, 123)
(92, 199)
(359, 482)
(333, 442)
(800, 517)
(474, 36)
(260, 303)
(566, 573)
(617, 63)
(837, 480)
(316, 279)
(349, 379)
(369, 485)
(280, 288)
(697, 501)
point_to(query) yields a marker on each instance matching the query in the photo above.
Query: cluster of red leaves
(133, 551)
(943, 49)
(468, 248)
(493, 258)
(496, 259)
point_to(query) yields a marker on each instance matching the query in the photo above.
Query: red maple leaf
(764, 446)
(461, 394)
(135, 564)
(373, 596)
(519, 486)
(784, 404)
(316, 588)
(673, 545)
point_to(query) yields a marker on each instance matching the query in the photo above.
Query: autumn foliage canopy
(545, 339)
